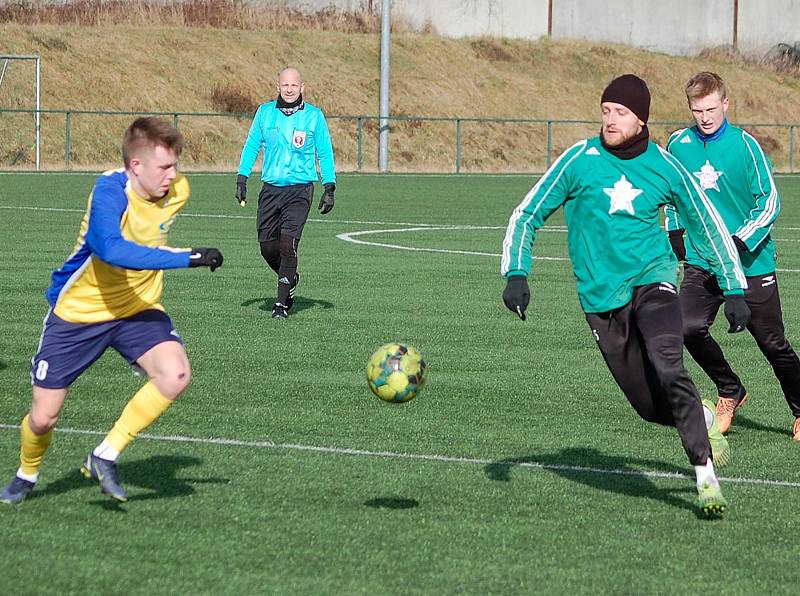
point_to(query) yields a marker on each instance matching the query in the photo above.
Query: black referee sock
(288, 267)
(285, 278)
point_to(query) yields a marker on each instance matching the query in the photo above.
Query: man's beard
(629, 147)
(619, 139)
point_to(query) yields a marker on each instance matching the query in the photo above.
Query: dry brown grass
(220, 14)
(205, 69)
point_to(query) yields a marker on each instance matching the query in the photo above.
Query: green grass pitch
(519, 469)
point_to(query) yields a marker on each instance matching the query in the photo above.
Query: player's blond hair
(704, 84)
(149, 132)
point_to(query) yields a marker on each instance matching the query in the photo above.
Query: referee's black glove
(517, 295)
(326, 201)
(241, 190)
(741, 247)
(678, 245)
(737, 312)
(205, 257)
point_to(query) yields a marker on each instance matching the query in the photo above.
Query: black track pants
(642, 344)
(701, 298)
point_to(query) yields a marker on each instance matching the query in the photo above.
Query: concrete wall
(765, 23)
(670, 26)
(526, 19)
(680, 27)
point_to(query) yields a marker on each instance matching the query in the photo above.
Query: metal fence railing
(90, 139)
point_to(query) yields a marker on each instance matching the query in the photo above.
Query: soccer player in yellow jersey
(108, 294)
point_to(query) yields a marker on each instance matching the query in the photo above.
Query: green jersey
(614, 237)
(736, 174)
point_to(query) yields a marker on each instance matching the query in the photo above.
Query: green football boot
(720, 449)
(711, 500)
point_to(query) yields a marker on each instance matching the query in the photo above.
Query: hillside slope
(212, 70)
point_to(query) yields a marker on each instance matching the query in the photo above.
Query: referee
(735, 173)
(612, 188)
(293, 134)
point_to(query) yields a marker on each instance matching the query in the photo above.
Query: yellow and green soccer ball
(396, 372)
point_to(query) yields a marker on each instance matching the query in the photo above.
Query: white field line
(252, 214)
(422, 457)
(348, 236)
(534, 176)
(194, 175)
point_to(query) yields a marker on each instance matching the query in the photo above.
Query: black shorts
(283, 210)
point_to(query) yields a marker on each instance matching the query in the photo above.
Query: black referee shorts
(283, 210)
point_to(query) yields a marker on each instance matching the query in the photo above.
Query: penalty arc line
(423, 457)
(350, 237)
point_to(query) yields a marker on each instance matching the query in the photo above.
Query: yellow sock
(32, 447)
(141, 411)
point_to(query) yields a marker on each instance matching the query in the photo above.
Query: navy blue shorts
(68, 349)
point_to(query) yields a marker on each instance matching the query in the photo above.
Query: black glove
(737, 312)
(741, 247)
(678, 246)
(241, 190)
(326, 201)
(517, 295)
(205, 257)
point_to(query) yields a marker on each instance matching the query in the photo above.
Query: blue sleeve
(252, 145)
(105, 240)
(325, 151)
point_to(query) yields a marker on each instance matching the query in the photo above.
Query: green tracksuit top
(736, 175)
(614, 237)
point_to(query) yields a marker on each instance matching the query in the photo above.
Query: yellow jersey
(116, 268)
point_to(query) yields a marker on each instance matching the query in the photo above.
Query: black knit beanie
(630, 91)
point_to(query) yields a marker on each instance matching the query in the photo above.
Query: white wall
(681, 27)
(670, 26)
(764, 23)
(456, 18)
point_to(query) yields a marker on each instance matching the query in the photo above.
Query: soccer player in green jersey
(612, 189)
(736, 175)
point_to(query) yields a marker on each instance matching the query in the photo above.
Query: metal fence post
(360, 128)
(791, 149)
(67, 139)
(175, 120)
(549, 141)
(458, 145)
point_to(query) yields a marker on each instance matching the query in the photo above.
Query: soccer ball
(396, 372)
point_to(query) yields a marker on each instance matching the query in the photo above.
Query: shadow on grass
(2, 365)
(614, 474)
(743, 422)
(159, 474)
(300, 304)
(391, 503)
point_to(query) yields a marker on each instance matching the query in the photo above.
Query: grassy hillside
(218, 70)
